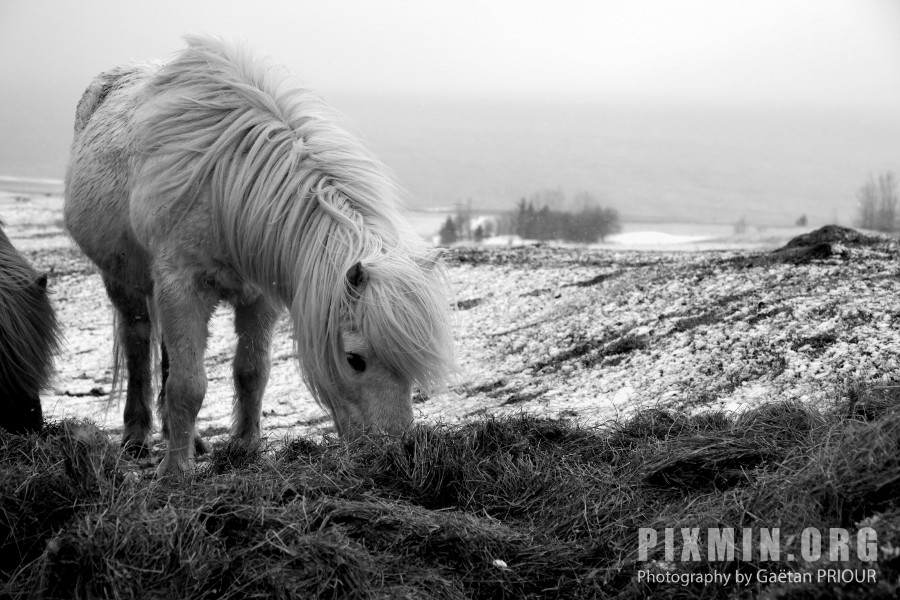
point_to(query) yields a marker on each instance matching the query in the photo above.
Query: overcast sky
(806, 52)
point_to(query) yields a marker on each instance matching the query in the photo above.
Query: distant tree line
(878, 203)
(586, 225)
(545, 215)
(459, 227)
(549, 215)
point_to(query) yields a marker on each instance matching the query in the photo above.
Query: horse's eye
(357, 362)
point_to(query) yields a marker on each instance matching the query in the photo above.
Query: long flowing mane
(297, 201)
(29, 332)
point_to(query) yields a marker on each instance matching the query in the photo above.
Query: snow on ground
(584, 333)
(653, 238)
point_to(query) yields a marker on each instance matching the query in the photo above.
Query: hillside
(580, 333)
(596, 334)
(752, 391)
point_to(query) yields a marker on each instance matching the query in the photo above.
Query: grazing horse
(29, 336)
(213, 177)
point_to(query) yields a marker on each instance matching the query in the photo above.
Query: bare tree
(878, 203)
(464, 220)
(867, 197)
(448, 233)
(584, 201)
(887, 191)
(553, 198)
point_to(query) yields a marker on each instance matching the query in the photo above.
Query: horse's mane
(29, 332)
(298, 201)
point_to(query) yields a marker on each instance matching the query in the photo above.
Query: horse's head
(394, 333)
(372, 396)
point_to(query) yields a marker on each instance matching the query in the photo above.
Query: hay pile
(500, 508)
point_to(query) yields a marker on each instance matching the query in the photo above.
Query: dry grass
(501, 508)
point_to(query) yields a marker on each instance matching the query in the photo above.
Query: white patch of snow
(653, 238)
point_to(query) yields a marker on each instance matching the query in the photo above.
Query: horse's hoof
(172, 468)
(136, 448)
(201, 446)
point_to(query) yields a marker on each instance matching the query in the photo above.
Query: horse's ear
(41, 281)
(357, 278)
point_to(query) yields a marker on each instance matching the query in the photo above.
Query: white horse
(212, 177)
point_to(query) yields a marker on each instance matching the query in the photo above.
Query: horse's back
(96, 208)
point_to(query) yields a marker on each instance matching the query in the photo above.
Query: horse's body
(29, 336)
(210, 178)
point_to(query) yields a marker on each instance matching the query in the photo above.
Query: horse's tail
(119, 363)
(155, 346)
(96, 93)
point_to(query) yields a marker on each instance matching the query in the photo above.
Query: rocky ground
(587, 334)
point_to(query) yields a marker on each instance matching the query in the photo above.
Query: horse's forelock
(332, 241)
(404, 313)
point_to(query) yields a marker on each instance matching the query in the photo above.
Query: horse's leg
(184, 311)
(200, 447)
(134, 337)
(164, 377)
(254, 324)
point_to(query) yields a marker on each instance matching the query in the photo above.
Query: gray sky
(795, 52)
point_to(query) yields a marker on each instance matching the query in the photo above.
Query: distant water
(652, 163)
